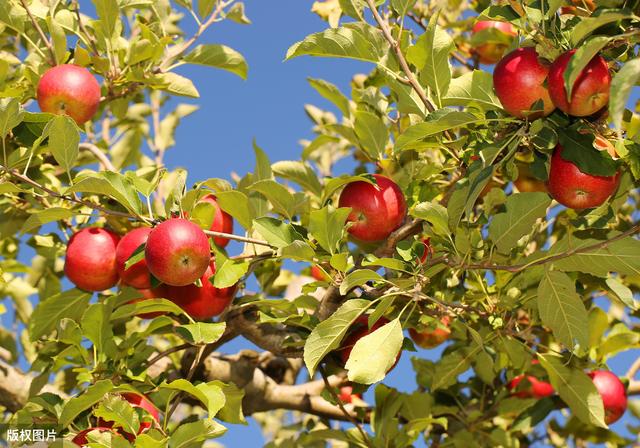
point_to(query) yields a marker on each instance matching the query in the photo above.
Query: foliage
(521, 277)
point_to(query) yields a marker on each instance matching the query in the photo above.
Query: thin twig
(167, 352)
(192, 370)
(631, 373)
(43, 36)
(102, 157)
(83, 30)
(347, 414)
(244, 239)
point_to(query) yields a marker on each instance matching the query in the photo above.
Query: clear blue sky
(268, 106)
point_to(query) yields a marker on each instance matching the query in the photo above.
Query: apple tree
(491, 211)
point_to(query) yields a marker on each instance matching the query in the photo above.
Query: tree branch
(43, 36)
(15, 385)
(98, 154)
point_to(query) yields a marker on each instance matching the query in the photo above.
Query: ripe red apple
(590, 91)
(202, 302)
(159, 292)
(137, 275)
(222, 221)
(531, 388)
(359, 330)
(319, 274)
(431, 338)
(519, 80)
(491, 52)
(613, 393)
(81, 438)
(575, 189)
(90, 261)
(428, 250)
(177, 252)
(69, 89)
(376, 210)
(346, 394)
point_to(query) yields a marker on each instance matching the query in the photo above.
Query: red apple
(319, 274)
(428, 250)
(575, 189)
(177, 252)
(81, 438)
(136, 275)
(376, 210)
(359, 330)
(222, 221)
(202, 302)
(491, 52)
(519, 80)
(590, 91)
(613, 393)
(346, 394)
(159, 292)
(531, 388)
(69, 89)
(431, 338)
(90, 262)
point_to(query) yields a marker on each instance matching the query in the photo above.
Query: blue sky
(267, 107)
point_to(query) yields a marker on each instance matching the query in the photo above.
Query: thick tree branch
(14, 387)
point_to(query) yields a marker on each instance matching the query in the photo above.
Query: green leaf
(435, 214)
(437, 122)
(276, 232)
(11, 115)
(146, 306)
(621, 256)
(58, 37)
(401, 7)
(576, 389)
(327, 226)
(579, 60)
(96, 326)
(452, 365)
(114, 185)
(359, 41)
(208, 394)
(76, 405)
(193, 434)
(589, 24)
(357, 278)
(621, 87)
(69, 304)
(578, 148)
(236, 13)
(299, 251)
(562, 310)
(374, 354)
(219, 56)
(109, 14)
(232, 410)
(332, 93)
(431, 55)
(118, 410)
(201, 332)
(328, 334)
(228, 271)
(622, 292)
(237, 205)
(523, 210)
(42, 217)
(337, 182)
(64, 139)
(177, 85)
(278, 195)
(205, 7)
(300, 173)
(472, 89)
(372, 133)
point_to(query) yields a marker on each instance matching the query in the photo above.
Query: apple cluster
(530, 88)
(177, 254)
